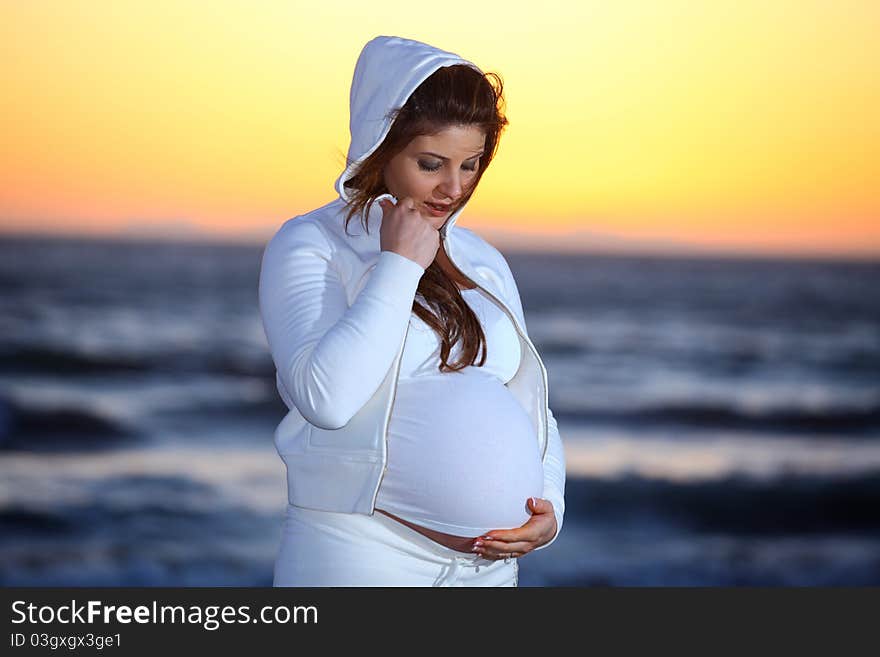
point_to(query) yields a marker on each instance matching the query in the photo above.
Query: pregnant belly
(463, 458)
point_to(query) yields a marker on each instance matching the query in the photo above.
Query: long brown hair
(452, 95)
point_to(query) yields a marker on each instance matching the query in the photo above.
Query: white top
(462, 454)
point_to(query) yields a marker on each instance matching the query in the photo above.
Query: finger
(522, 533)
(496, 535)
(518, 549)
(504, 539)
(497, 547)
(501, 556)
(540, 505)
(509, 554)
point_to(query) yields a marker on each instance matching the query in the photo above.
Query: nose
(451, 186)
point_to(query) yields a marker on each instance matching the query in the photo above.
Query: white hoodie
(336, 310)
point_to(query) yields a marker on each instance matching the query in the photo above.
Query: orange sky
(738, 126)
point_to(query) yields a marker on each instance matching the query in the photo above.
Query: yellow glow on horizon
(734, 124)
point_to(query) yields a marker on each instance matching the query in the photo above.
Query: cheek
(419, 184)
(398, 179)
(426, 185)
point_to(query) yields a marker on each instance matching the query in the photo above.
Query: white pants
(320, 548)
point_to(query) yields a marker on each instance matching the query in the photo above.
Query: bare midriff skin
(458, 543)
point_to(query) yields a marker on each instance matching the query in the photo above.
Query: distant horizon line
(503, 240)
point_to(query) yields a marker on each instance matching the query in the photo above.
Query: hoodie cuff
(395, 278)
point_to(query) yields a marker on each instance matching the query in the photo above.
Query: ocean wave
(40, 429)
(788, 504)
(800, 419)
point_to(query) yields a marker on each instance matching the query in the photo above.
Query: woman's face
(437, 169)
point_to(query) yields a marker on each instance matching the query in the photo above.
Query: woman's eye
(427, 167)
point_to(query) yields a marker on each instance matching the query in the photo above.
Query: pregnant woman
(419, 445)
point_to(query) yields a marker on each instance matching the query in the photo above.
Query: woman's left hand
(506, 543)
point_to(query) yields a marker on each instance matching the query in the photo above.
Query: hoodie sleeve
(554, 457)
(331, 357)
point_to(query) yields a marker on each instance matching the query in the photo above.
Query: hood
(388, 70)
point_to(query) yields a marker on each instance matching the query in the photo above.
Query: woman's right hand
(406, 232)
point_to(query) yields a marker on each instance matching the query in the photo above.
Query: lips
(438, 206)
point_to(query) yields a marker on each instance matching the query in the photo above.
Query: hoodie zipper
(388, 416)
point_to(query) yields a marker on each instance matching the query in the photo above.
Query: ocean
(721, 417)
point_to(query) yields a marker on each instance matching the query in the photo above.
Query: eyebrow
(446, 158)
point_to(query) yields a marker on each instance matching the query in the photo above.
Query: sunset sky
(732, 125)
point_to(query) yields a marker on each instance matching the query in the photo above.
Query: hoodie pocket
(324, 441)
